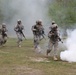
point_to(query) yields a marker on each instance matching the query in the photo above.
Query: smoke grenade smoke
(70, 54)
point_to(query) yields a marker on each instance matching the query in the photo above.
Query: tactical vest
(54, 37)
(36, 32)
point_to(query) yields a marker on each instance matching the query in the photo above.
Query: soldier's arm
(33, 29)
(16, 28)
(49, 34)
(22, 27)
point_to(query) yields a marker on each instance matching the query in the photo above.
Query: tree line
(63, 12)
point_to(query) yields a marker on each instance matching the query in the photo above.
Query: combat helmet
(53, 22)
(3, 25)
(19, 21)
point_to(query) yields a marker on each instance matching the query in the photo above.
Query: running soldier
(19, 32)
(3, 34)
(35, 31)
(53, 40)
(38, 31)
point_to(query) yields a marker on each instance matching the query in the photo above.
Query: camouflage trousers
(20, 38)
(36, 41)
(3, 40)
(52, 46)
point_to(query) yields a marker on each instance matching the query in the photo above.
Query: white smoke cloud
(27, 10)
(70, 54)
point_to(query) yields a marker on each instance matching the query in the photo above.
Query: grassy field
(25, 61)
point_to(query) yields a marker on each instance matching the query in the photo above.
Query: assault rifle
(20, 30)
(42, 33)
(22, 33)
(60, 39)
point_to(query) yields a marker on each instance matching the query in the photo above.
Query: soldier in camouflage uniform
(19, 32)
(3, 31)
(37, 32)
(53, 40)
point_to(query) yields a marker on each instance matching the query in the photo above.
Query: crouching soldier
(19, 32)
(3, 34)
(53, 40)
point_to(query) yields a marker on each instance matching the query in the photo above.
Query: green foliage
(63, 12)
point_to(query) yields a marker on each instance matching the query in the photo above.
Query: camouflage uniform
(1, 40)
(36, 35)
(53, 40)
(3, 34)
(41, 29)
(19, 34)
(37, 32)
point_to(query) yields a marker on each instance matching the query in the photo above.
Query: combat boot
(19, 45)
(55, 58)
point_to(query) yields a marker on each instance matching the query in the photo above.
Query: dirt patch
(39, 59)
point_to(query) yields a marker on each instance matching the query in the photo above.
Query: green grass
(22, 61)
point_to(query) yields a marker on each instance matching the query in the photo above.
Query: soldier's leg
(19, 40)
(40, 37)
(5, 40)
(36, 41)
(35, 44)
(50, 46)
(1, 40)
(55, 51)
